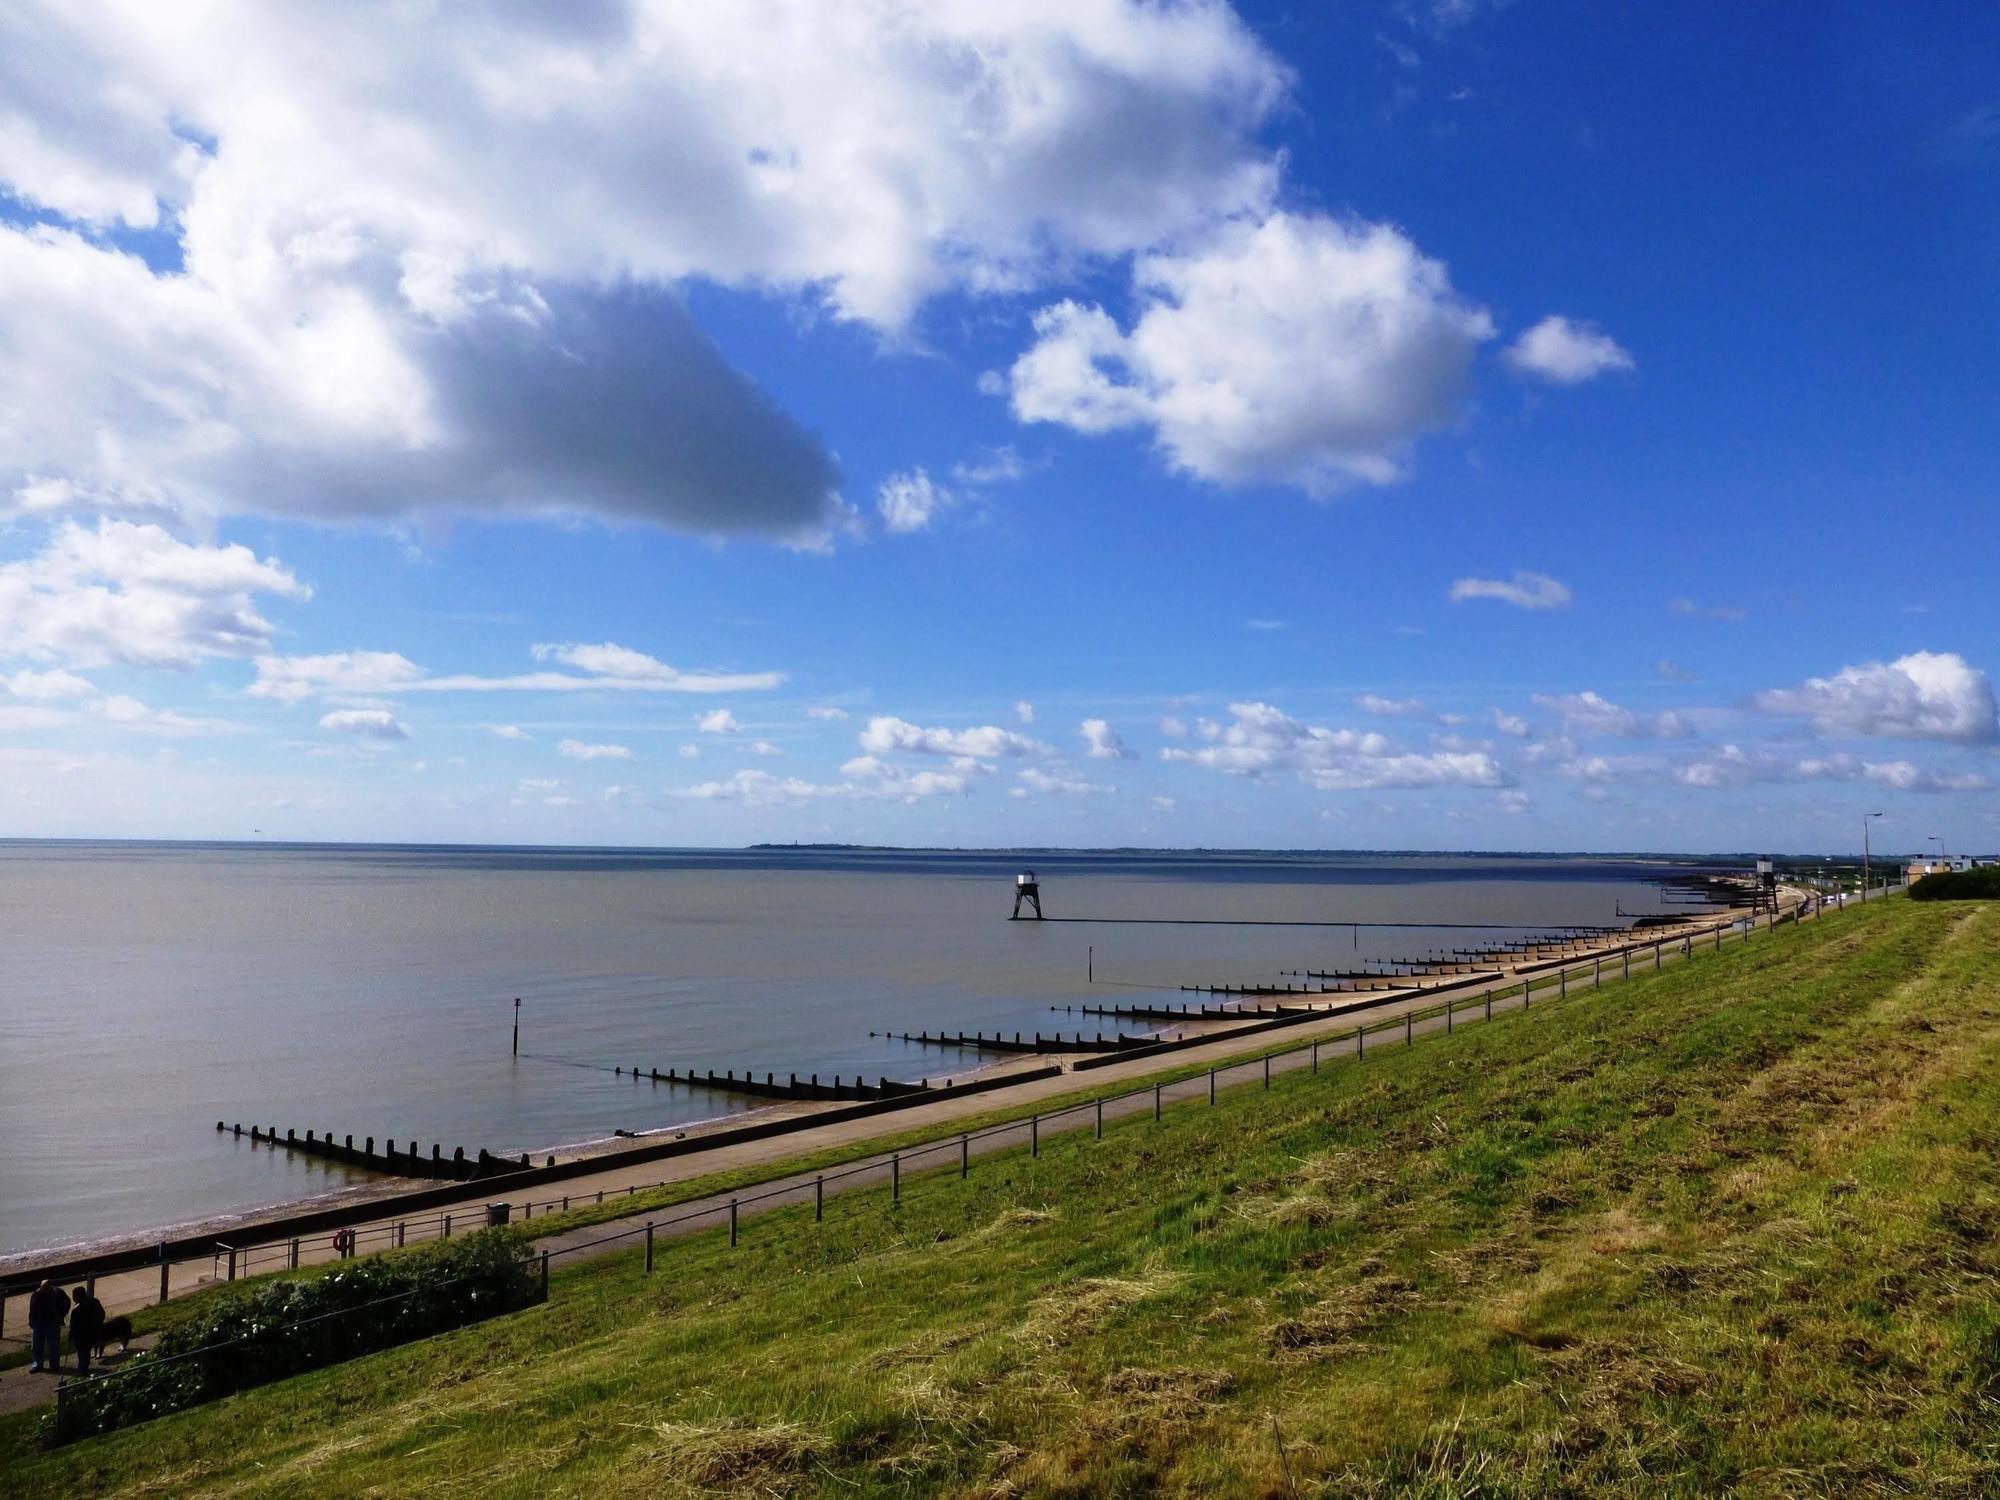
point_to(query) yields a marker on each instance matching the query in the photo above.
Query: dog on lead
(119, 1328)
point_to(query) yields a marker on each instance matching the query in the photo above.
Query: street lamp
(1865, 817)
(1938, 839)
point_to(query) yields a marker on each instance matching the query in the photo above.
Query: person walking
(46, 1310)
(86, 1322)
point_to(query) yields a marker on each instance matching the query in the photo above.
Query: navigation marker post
(517, 1025)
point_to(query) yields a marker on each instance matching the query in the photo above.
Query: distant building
(1943, 863)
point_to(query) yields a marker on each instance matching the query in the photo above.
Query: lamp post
(1865, 818)
(1938, 839)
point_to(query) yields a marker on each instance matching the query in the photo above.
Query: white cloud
(868, 782)
(1588, 714)
(1262, 739)
(368, 723)
(46, 686)
(1934, 695)
(506, 732)
(435, 263)
(1673, 671)
(910, 501)
(1563, 352)
(1173, 728)
(718, 721)
(608, 668)
(986, 742)
(1689, 609)
(1102, 742)
(1025, 711)
(1298, 349)
(1389, 708)
(690, 752)
(997, 466)
(540, 783)
(1162, 804)
(1513, 802)
(1061, 783)
(824, 711)
(1510, 724)
(1264, 624)
(764, 747)
(135, 594)
(1524, 590)
(578, 750)
(293, 679)
(1732, 767)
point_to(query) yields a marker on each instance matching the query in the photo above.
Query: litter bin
(496, 1214)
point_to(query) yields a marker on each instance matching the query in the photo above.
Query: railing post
(1267, 1070)
(292, 1259)
(1562, 984)
(1156, 1104)
(1315, 1066)
(964, 1156)
(649, 1247)
(1211, 1087)
(1489, 1005)
(1628, 963)
(402, 1225)
(1527, 990)
(819, 1198)
(165, 1269)
(1034, 1135)
(545, 1275)
(1100, 1119)
(1447, 1017)
(895, 1179)
(1409, 1028)
(232, 1263)
(732, 1223)
(1360, 1042)
(447, 1227)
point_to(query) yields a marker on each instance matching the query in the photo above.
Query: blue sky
(1530, 425)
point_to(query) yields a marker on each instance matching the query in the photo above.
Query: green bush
(283, 1327)
(1981, 883)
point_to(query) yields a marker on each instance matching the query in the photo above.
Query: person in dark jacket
(46, 1310)
(86, 1321)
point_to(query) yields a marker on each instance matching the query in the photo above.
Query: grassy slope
(1733, 1225)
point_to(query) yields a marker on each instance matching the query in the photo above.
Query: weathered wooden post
(401, 1227)
(164, 1269)
(292, 1256)
(964, 1156)
(732, 1223)
(1360, 1042)
(1034, 1135)
(895, 1179)
(1267, 1070)
(1409, 1028)
(819, 1199)
(649, 1247)
(545, 1275)
(1100, 1119)
(1156, 1104)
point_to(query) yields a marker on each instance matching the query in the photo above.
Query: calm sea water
(149, 990)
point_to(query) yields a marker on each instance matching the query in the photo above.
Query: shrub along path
(1732, 1226)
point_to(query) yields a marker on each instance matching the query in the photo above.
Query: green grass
(1730, 1227)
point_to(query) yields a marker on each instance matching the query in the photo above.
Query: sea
(150, 990)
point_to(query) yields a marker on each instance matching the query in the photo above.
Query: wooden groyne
(458, 1167)
(1039, 1044)
(791, 1086)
